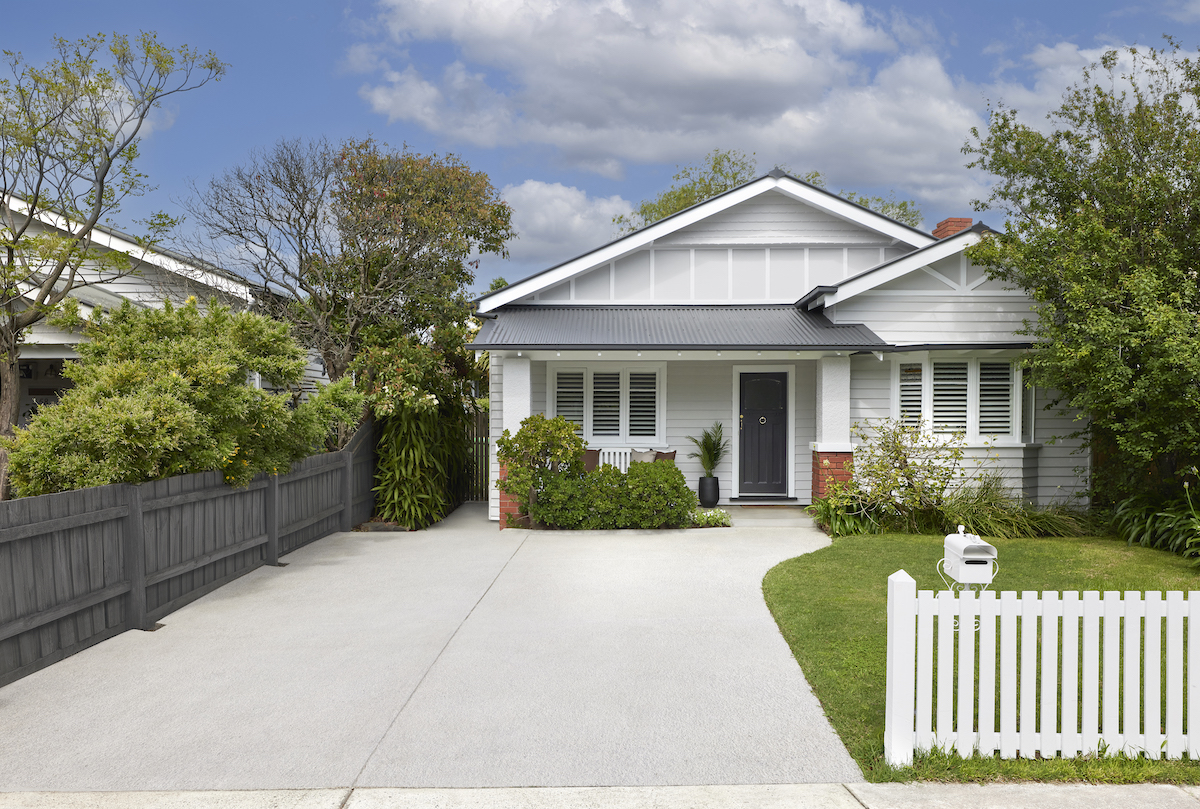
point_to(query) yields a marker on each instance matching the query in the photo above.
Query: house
(789, 315)
(157, 275)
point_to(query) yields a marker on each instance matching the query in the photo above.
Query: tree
(349, 239)
(166, 392)
(69, 136)
(721, 170)
(1102, 215)
(725, 169)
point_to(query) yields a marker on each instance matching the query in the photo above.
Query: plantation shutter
(568, 398)
(643, 404)
(995, 398)
(949, 397)
(911, 392)
(606, 404)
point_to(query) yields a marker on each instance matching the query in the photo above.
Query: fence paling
(88, 564)
(1113, 652)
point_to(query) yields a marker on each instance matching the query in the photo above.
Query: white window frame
(624, 439)
(972, 435)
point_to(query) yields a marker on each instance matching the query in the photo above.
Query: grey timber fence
(79, 567)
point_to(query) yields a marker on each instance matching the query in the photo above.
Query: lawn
(831, 605)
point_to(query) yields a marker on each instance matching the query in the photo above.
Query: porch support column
(517, 406)
(832, 451)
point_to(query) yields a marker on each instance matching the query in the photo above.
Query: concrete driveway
(460, 656)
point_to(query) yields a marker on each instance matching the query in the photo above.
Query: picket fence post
(899, 691)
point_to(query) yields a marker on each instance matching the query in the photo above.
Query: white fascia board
(107, 239)
(857, 214)
(899, 268)
(633, 241)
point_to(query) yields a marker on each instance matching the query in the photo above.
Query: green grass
(831, 608)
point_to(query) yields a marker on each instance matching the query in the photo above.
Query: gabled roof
(776, 180)
(209, 275)
(822, 296)
(761, 327)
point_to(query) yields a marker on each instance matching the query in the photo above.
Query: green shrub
(1172, 525)
(418, 456)
(650, 495)
(985, 507)
(540, 448)
(562, 502)
(711, 518)
(162, 392)
(658, 496)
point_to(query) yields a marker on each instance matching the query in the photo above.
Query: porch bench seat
(620, 457)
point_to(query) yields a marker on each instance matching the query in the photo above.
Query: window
(611, 405)
(971, 396)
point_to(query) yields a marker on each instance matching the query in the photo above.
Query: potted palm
(711, 446)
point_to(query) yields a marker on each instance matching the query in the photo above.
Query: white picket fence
(1078, 674)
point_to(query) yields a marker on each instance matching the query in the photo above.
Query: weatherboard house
(789, 315)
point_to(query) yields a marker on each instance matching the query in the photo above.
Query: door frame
(736, 438)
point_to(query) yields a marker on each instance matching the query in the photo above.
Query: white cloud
(603, 85)
(555, 220)
(1183, 10)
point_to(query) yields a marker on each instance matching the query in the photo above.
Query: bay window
(611, 405)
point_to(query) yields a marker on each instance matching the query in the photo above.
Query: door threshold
(764, 499)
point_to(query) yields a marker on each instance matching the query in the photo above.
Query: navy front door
(762, 433)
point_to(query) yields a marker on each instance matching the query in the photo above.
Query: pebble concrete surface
(460, 656)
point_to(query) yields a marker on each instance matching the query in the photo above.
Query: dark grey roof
(672, 327)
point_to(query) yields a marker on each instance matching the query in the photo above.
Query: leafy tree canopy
(1103, 207)
(354, 238)
(69, 135)
(725, 169)
(167, 392)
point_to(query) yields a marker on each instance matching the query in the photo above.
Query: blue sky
(578, 111)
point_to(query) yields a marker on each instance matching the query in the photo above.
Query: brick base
(828, 467)
(508, 506)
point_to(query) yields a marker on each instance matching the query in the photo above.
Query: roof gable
(675, 227)
(915, 271)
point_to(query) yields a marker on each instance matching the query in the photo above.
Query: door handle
(762, 419)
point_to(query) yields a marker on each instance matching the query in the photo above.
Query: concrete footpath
(779, 796)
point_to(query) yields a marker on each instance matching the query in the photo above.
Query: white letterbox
(968, 559)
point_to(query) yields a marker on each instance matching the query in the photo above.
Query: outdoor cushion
(642, 456)
(591, 459)
(665, 456)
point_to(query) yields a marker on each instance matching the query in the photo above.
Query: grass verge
(831, 608)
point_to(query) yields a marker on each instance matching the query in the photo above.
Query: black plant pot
(709, 492)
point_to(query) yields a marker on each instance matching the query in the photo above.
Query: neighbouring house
(789, 315)
(158, 275)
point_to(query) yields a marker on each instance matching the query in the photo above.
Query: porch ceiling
(668, 327)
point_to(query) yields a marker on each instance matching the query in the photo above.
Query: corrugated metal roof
(675, 327)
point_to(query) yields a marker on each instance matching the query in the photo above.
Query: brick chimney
(948, 227)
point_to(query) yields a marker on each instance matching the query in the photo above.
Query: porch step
(768, 516)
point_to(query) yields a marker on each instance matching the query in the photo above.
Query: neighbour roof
(764, 327)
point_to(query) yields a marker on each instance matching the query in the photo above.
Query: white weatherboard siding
(714, 274)
(948, 301)
(870, 389)
(773, 218)
(922, 319)
(1062, 469)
